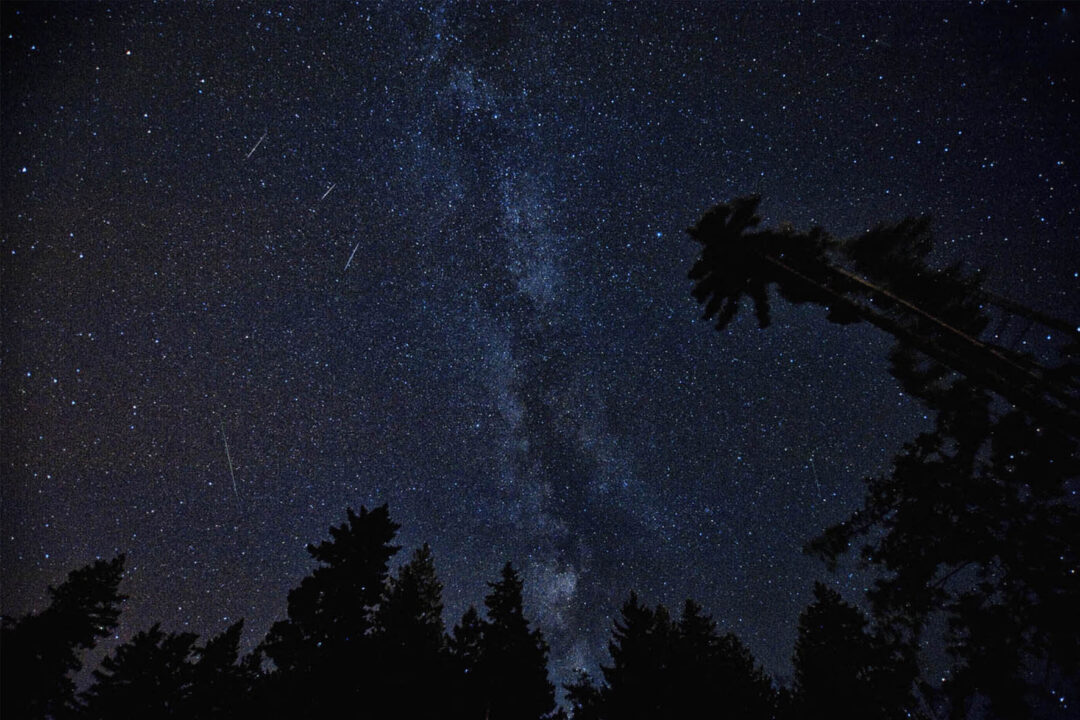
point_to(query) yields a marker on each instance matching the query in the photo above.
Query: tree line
(973, 531)
(357, 637)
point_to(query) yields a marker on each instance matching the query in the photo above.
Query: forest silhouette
(974, 531)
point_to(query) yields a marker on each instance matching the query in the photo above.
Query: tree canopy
(977, 521)
(42, 652)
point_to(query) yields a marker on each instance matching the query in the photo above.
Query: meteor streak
(229, 458)
(252, 150)
(351, 255)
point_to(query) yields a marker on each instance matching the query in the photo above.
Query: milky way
(434, 256)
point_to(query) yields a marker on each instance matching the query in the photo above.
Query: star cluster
(433, 256)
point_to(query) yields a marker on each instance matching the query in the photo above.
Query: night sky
(435, 256)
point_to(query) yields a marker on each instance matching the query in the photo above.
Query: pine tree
(513, 658)
(841, 669)
(148, 676)
(585, 697)
(664, 669)
(412, 641)
(323, 653)
(638, 681)
(410, 615)
(716, 672)
(223, 682)
(167, 675)
(41, 653)
(465, 645)
(881, 277)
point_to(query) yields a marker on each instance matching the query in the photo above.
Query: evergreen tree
(465, 646)
(412, 641)
(716, 672)
(638, 682)
(937, 312)
(513, 658)
(148, 676)
(841, 670)
(167, 675)
(411, 612)
(978, 518)
(42, 652)
(585, 697)
(323, 653)
(662, 669)
(223, 682)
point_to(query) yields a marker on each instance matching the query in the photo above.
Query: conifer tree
(585, 697)
(167, 675)
(716, 671)
(223, 682)
(978, 519)
(412, 641)
(638, 681)
(411, 611)
(149, 676)
(664, 669)
(41, 653)
(465, 645)
(513, 658)
(841, 669)
(323, 652)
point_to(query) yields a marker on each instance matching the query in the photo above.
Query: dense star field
(262, 263)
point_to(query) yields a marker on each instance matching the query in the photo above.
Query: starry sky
(434, 255)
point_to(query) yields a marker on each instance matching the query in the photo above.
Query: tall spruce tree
(147, 676)
(716, 671)
(468, 687)
(638, 681)
(843, 671)
(41, 653)
(513, 657)
(412, 641)
(585, 697)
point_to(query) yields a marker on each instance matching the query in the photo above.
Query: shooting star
(817, 482)
(252, 150)
(351, 255)
(332, 186)
(229, 458)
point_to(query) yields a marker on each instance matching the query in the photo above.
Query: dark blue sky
(434, 256)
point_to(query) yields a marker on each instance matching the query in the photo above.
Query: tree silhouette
(148, 676)
(166, 675)
(411, 611)
(465, 646)
(323, 654)
(412, 640)
(585, 698)
(664, 669)
(978, 518)
(841, 670)
(223, 681)
(881, 277)
(639, 679)
(513, 658)
(720, 672)
(42, 652)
